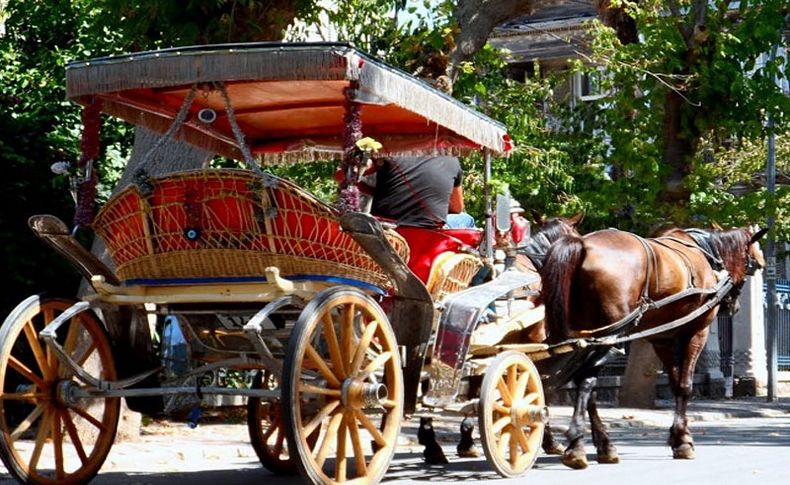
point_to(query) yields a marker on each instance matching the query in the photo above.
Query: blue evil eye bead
(192, 233)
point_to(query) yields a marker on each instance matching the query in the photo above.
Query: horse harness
(608, 335)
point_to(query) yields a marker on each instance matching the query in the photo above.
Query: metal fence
(783, 324)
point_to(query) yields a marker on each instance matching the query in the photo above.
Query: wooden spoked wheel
(49, 435)
(267, 432)
(512, 414)
(342, 377)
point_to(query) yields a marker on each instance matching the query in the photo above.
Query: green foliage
(725, 94)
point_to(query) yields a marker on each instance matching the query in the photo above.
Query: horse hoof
(608, 456)
(554, 449)
(684, 452)
(434, 456)
(471, 452)
(577, 461)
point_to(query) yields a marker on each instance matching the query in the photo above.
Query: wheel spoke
(329, 436)
(87, 417)
(38, 351)
(85, 354)
(511, 379)
(389, 403)
(340, 465)
(311, 389)
(503, 443)
(318, 418)
(364, 342)
(325, 371)
(21, 396)
(521, 438)
(504, 392)
(28, 421)
(521, 385)
(28, 374)
(374, 432)
(500, 424)
(41, 438)
(334, 346)
(531, 397)
(57, 444)
(359, 454)
(278, 443)
(347, 333)
(513, 450)
(71, 336)
(49, 315)
(376, 363)
(268, 433)
(499, 408)
(75, 437)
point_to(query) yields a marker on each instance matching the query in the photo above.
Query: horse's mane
(729, 246)
(732, 246)
(545, 235)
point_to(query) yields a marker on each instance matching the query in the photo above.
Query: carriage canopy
(289, 99)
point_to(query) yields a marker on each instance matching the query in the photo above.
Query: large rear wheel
(512, 414)
(342, 378)
(48, 435)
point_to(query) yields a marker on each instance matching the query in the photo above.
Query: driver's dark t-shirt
(415, 191)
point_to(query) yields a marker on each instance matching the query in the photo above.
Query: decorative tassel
(90, 145)
(352, 156)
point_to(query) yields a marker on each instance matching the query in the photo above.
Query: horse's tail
(557, 274)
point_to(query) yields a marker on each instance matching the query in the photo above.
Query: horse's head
(754, 255)
(741, 255)
(547, 231)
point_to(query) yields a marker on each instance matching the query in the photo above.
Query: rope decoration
(90, 147)
(352, 156)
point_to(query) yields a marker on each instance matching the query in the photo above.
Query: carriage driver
(420, 191)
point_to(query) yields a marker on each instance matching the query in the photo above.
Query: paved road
(739, 443)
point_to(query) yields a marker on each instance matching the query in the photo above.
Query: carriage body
(261, 275)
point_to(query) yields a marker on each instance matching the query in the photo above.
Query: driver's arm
(456, 201)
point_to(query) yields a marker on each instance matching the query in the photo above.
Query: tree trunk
(680, 145)
(639, 383)
(476, 20)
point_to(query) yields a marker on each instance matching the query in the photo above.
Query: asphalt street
(740, 442)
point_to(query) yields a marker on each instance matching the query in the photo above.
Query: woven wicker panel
(227, 223)
(451, 273)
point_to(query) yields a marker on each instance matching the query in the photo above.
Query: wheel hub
(65, 393)
(523, 414)
(358, 394)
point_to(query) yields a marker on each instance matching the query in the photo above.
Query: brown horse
(612, 284)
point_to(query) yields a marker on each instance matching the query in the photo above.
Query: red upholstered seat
(426, 245)
(471, 236)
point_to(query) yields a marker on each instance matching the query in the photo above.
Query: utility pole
(772, 312)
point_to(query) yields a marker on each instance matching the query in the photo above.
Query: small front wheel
(512, 414)
(342, 378)
(50, 433)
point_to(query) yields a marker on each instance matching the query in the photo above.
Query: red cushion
(425, 245)
(470, 236)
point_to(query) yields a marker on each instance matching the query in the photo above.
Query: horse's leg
(426, 436)
(550, 445)
(466, 447)
(681, 358)
(606, 451)
(574, 455)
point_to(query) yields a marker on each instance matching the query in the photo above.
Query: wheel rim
(347, 384)
(513, 414)
(48, 435)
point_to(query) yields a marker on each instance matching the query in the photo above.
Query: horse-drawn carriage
(351, 323)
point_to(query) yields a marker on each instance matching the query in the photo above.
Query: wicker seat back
(229, 224)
